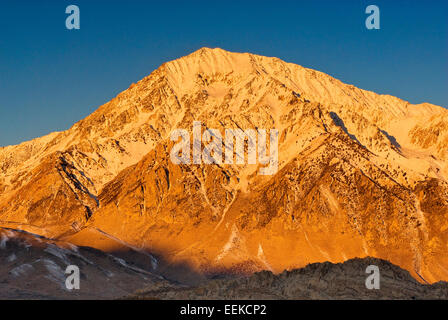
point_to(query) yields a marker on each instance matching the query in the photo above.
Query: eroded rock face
(54, 199)
(360, 174)
(329, 204)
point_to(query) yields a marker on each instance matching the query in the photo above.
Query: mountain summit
(359, 174)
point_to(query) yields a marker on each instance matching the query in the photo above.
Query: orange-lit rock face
(359, 174)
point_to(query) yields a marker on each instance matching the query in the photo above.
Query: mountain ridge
(352, 165)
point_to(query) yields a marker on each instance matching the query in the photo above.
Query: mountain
(359, 174)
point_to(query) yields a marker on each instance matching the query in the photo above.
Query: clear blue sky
(51, 77)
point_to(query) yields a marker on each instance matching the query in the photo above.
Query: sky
(51, 77)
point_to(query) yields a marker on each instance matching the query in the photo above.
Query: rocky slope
(315, 281)
(360, 174)
(33, 267)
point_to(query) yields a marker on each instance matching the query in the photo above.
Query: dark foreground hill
(315, 281)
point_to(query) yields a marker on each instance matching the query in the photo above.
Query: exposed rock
(315, 281)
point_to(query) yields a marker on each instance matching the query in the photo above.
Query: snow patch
(233, 240)
(262, 257)
(55, 273)
(3, 241)
(11, 258)
(22, 270)
(57, 252)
